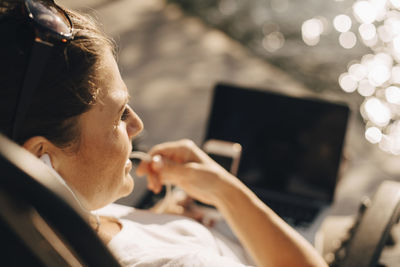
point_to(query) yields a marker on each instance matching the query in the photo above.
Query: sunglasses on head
(52, 27)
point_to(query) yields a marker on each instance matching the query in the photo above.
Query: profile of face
(99, 167)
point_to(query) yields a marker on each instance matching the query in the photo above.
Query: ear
(39, 145)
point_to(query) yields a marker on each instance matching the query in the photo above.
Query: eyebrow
(128, 97)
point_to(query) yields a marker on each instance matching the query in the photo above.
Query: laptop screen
(290, 145)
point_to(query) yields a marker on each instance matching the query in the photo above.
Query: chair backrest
(41, 222)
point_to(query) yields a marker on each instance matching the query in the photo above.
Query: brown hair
(68, 85)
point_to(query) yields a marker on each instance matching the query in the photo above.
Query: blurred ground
(170, 62)
(272, 30)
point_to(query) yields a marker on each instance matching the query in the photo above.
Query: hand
(187, 166)
(258, 228)
(179, 203)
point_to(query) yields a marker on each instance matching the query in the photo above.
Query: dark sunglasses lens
(47, 14)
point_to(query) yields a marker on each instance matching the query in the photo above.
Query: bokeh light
(347, 83)
(391, 140)
(377, 112)
(367, 31)
(376, 76)
(273, 41)
(395, 75)
(385, 33)
(392, 94)
(311, 31)
(358, 71)
(373, 135)
(365, 88)
(347, 40)
(364, 12)
(342, 23)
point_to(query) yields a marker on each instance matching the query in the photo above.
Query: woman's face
(99, 168)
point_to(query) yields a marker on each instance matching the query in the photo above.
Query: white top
(149, 239)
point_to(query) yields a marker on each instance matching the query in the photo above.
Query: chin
(128, 186)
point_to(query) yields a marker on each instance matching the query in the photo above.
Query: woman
(78, 118)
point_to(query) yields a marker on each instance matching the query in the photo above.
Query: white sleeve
(199, 259)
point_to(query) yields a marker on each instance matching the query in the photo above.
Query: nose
(134, 124)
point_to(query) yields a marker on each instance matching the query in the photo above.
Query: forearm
(267, 238)
(265, 235)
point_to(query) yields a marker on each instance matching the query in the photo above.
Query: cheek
(105, 160)
(114, 153)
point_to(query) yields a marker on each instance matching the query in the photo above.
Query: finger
(157, 185)
(165, 149)
(156, 182)
(143, 168)
(177, 174)
(146, 167)
(179, 151)
(172, 172)
(157, 163)
(150, 183)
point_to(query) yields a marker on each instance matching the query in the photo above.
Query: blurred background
(173, 52)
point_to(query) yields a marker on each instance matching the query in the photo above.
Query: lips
(128, 164)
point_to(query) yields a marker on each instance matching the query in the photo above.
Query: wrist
(229, 192)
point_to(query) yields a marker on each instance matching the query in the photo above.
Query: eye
(125, 114)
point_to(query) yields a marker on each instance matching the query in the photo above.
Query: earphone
(46, 160)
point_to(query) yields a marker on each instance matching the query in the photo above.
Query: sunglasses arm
(41, 51)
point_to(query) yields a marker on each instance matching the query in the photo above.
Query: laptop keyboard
(296, 215)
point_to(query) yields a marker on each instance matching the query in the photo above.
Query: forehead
(99, 119)
(116, 96)
(113, 89)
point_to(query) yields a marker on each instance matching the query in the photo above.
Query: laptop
(291, 147)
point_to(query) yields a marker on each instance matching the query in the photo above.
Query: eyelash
(125, 114)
